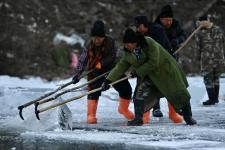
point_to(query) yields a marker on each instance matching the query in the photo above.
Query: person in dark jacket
(156, 32)
(100, 55)
(174, 32)
(157, 71)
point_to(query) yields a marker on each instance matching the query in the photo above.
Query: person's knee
(126, 92)
(124, 89)
(94, 96)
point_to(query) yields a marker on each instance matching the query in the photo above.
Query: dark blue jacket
(157, 32)
(175, 33)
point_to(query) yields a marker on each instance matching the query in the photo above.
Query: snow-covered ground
(111, 130)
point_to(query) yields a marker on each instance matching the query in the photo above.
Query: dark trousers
(157, 105)
(123, 88)
(146, 92)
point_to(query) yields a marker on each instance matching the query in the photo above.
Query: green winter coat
(163, 71)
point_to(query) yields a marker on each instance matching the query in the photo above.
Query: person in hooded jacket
(156, 32)
(157, 71)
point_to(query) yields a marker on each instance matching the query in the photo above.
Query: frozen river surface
(111, 131)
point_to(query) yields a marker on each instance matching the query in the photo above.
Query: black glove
(176, 56)
(105, 85)
(75, 79)
(174, 43)
(133, 74)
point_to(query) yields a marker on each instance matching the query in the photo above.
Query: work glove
(133, 74)
(105, 85)
(75, 79)
(176, 56)
(205, 24)
(98, 66)
(174, 43)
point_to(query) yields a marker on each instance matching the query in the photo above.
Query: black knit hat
(130, 36)
(203, 18)
(98, 29)
(166, 12)
(141, 19)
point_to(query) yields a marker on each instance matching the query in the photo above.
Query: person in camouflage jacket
(211, 49)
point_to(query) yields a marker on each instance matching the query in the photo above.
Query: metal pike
(64, 116)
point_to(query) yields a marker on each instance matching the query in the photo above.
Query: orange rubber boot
(91, 111)
(146, 117)
(175, 117)
(123, 108)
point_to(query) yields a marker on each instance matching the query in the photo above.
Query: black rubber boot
(217, 89)
(187, 115)
(211, 95)
(139, 110)
(156, 110)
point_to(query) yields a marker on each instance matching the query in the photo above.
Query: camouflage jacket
(211, 48)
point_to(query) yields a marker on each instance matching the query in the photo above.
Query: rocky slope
(28, 27)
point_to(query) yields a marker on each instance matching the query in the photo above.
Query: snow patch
(73, 39)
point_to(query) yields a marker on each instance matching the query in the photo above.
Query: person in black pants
(100, 55)
(173, 30)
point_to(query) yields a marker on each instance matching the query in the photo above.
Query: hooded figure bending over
(158, 75)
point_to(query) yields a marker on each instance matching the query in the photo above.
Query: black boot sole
(158, 113)
(207, 104)
(135, 123)
(190, 121)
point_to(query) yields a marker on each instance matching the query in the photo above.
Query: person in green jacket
(158, 75)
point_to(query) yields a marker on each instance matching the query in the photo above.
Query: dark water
(11, 140)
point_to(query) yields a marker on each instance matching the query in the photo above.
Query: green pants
(211, 78)
(146, 91)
